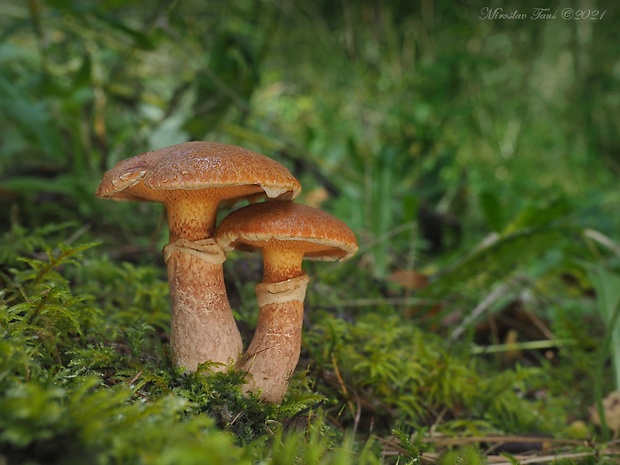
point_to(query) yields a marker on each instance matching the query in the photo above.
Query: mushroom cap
(319, 235)
(197, 165)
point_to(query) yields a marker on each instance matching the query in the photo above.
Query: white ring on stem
(290, 290)
(207, 250)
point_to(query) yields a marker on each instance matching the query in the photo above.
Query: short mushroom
(191, 180)
(286, 233)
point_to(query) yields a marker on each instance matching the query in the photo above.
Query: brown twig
(546, 444)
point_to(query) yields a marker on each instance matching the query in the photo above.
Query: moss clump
(85, 375)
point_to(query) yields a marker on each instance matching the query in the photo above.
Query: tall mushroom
(286, 233)
(191, 180)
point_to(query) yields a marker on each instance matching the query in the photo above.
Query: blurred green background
(385, 112)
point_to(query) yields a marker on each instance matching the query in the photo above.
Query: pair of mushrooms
(191, 180)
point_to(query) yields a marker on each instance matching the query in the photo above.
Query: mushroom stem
(202, 325)
(274, 351)
(281, 263)
(191, 218)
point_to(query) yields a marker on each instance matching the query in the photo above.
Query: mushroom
(191, 180)
(286, 233)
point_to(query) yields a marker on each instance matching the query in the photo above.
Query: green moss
(85, 373)
(89, 376)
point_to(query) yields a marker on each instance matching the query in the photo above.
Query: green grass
(85, 371)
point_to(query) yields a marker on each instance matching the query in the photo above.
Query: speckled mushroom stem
(202, 324)
(274, 351)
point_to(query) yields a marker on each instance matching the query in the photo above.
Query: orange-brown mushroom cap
(197, 165)
(304, 229)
